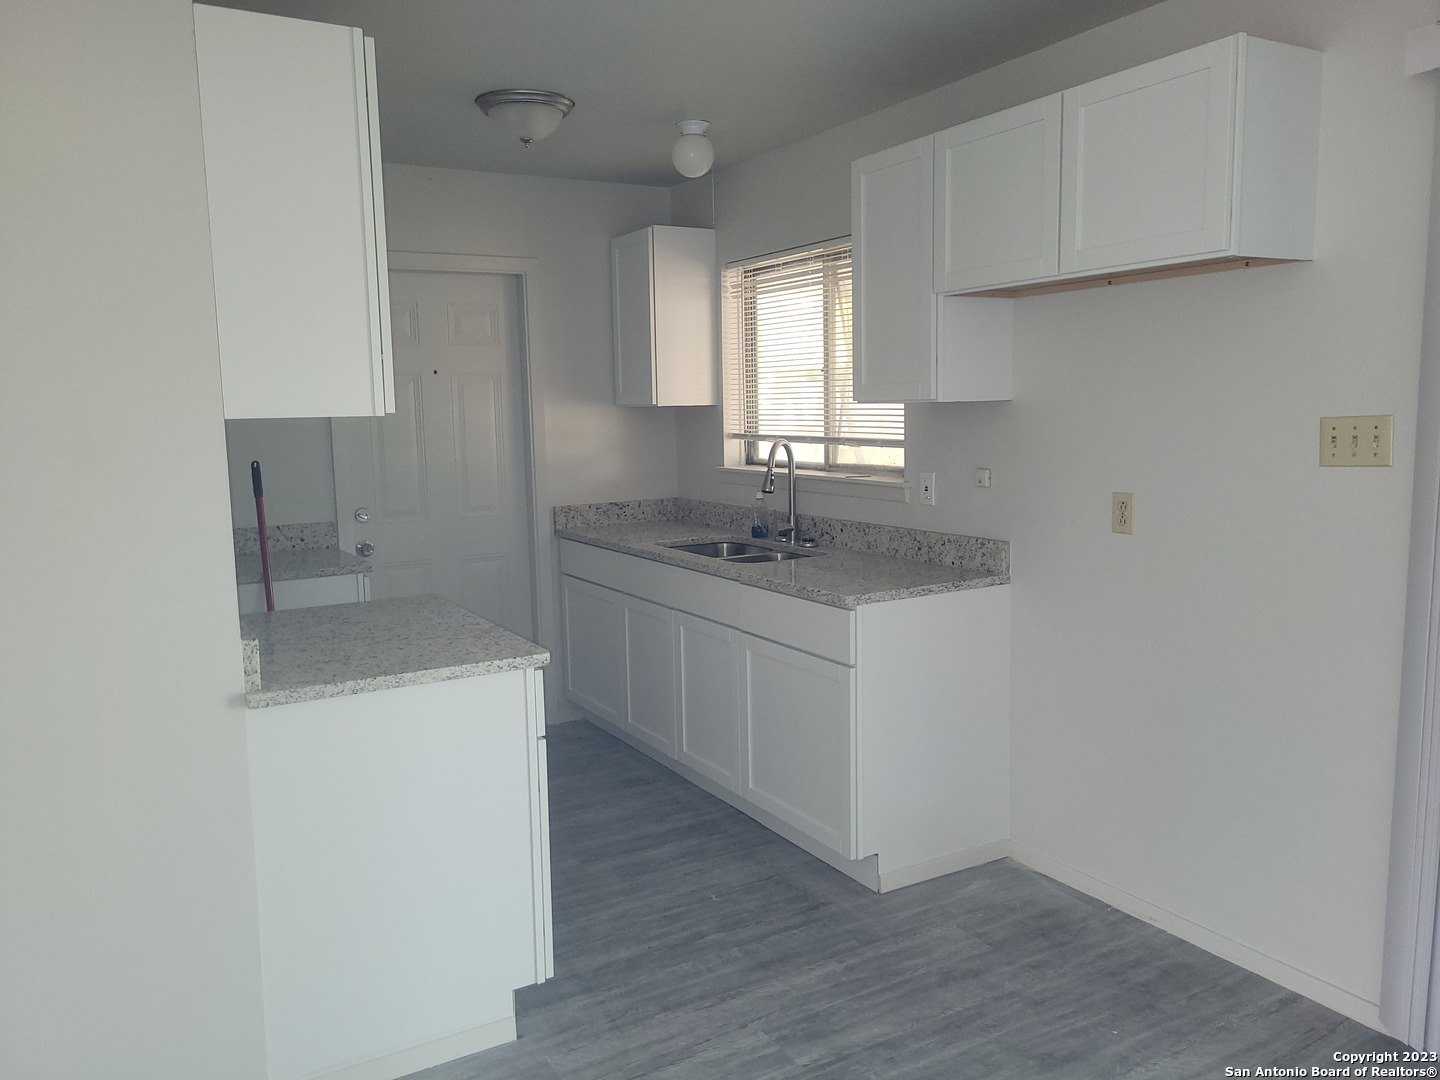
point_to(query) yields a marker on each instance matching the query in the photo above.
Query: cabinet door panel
(650, 674)
(1148, 166)
(632, 283)
(799, 738)
(997, 198)
(287, 126)
(594, 649)
(892, 221)
(686, 294)
(709, 699)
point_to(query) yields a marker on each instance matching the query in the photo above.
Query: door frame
(1410, 970)
(525, 271)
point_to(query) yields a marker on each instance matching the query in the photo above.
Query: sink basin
(769, 556)
(723, 549)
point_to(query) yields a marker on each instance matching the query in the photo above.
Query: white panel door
(632, 281)
(799, 740)
(650, 674)
(892, 221)
(997, 198)
(594, 624)
(445, 480)
(708, 696)
(1147, 162)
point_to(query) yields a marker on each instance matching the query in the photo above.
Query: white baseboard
(436, 1052)
(563, 713)
(890, 880)
(1278, 971)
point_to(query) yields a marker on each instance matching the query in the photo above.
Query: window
(788, 357)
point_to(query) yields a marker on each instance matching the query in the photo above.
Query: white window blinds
(788, 364)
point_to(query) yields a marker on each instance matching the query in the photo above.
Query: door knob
(364, 549)
(362, 514)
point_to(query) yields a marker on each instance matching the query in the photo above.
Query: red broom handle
(259, 487)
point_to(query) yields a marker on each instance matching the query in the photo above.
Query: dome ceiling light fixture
(527, 115)
(693, 154)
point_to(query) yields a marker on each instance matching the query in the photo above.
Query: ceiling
(765, 73)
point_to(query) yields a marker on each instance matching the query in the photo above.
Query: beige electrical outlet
(1122, 512)
(1357, 440)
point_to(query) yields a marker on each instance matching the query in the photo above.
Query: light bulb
(693, 154)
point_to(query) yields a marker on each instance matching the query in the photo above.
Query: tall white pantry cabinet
(297, 216)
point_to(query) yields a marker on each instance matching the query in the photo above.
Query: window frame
(742, 394)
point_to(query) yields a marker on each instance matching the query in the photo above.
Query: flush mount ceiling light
(528, 115)
(693, 155)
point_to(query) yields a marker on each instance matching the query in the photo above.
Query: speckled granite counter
(856, 563)
(297, 563)
(309, 550)
(344, 649)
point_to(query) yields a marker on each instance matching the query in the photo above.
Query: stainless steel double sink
(736, 551)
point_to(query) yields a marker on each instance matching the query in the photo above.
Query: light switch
(1357, 440)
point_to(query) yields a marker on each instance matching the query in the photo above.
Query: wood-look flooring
(693, 944)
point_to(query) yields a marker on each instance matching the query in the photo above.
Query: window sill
(889, 489)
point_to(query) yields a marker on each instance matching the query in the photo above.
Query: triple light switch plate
(1357, 440)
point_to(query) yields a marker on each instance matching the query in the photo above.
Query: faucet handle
(786, 535)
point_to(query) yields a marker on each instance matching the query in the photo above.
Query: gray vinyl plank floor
(692, 943)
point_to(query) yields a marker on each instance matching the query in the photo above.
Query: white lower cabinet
(402, 873)
(595, 649)
(876, 739)
(650, 673)
(708, 702)
(798, 724)
(305, 592)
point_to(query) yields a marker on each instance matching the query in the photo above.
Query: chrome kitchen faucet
(786, 534)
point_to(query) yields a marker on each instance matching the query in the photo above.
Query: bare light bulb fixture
(528, 115)
(693, 155)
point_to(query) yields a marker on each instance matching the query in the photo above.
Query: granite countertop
(344, 649)
(295, 563)
(837, 576)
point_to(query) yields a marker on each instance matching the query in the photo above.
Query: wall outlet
(1357, 440)
(982, 477)
(927, 489)
(1122, 512)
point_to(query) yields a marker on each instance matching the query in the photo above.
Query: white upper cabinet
(997, 198)
(665, 291)
(1199, 160)
(894, 307)
(1148, 162)
(297, 220)
(909, 344)
(1207, 154)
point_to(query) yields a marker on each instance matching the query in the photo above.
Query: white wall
(295, 464)
(127, 915)
(587, 449)
(1204, 713)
